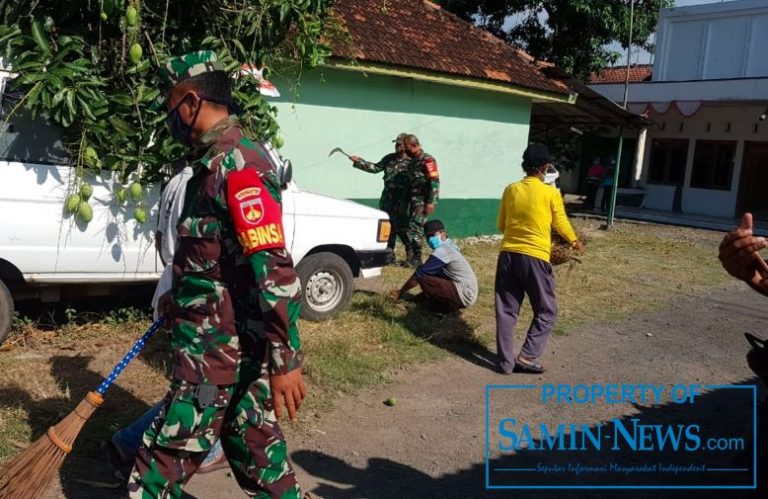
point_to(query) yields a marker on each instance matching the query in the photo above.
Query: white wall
(719, 40)
(745, 89)
(744, 126)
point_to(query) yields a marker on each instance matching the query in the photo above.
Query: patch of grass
(629, 269)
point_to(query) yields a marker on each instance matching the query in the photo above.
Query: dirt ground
(431, 443)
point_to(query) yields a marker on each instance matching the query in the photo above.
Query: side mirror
(286, 173)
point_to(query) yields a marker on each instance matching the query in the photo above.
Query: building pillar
(639, 157)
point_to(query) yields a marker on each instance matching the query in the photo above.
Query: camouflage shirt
(396, 179)
(234, 282)
(425, 180)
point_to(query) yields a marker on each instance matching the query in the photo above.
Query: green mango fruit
(136, 191)
(132, 16)
(72, 202)
(86, 190)
(390, 401)
(85, 212)
(135, 53)
(121, 194)
(103, 16)
(91, 157)
(140, 215)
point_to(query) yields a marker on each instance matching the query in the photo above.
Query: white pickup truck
(45, 254)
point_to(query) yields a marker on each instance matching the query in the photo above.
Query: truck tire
(326, 285)
(6, 312)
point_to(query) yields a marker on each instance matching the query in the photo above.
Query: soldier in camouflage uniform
(425, 191)
(396, 195)
(234, 304)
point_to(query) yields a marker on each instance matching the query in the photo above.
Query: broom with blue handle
(29, 475)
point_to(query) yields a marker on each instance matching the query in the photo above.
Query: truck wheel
(6, 312)
(327, 286)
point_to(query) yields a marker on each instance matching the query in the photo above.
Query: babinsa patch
(431, 166)
(257, 217)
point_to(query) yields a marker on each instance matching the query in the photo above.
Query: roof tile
(618, 74)
(421, 35)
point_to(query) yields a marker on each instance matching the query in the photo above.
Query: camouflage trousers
(415, 231)
(241, 415)
(399, 218)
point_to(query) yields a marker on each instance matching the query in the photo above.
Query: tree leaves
(573, 34)
(73, 65)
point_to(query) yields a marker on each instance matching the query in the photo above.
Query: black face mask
(183, 131)
(179, 130)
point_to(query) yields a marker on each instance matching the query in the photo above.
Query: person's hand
(429, 208)
(288, 390)
(738, 253)
(166, 308)
(578, 246)
(355, 159)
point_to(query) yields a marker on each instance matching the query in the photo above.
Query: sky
(641, 56)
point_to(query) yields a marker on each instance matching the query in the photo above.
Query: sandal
(523, 366)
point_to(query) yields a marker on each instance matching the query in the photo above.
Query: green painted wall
(477, 137)
(462, 217)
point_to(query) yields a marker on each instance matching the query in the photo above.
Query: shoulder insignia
(431, 165)
(256, 215)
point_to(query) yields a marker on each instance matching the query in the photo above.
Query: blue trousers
(129, 438)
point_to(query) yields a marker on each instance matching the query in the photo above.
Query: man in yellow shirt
(528, 211)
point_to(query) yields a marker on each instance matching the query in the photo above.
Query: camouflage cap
(186, 66)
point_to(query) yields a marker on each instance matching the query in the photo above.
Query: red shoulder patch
(431, 166)
(257, 216)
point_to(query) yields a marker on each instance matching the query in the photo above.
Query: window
(26, 140)
(668, 159)
(713, 164)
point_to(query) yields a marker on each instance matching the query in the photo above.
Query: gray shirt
(448, 261)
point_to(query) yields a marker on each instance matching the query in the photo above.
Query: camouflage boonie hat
(186, 66)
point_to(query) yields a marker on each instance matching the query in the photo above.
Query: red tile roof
(419, 34)
(618, 74)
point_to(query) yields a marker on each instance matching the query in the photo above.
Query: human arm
(369, 167)
(409, 285)
(432, 266)
(561, 223)
(501, 218)
(738, 253)
(255, 211)
(433, 183)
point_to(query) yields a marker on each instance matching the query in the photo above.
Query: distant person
(425, 191)
(396, 195)
(447, 281)
(595, 175)
(528, 211)
(607, 185)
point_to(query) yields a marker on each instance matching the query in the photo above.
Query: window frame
(649, 179)
(713, 164)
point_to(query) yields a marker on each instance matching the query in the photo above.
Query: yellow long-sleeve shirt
(528, 211)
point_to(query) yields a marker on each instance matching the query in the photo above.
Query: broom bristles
(30, 473)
